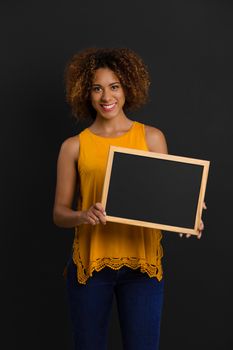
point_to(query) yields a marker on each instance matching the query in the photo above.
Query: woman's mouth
(108, 107)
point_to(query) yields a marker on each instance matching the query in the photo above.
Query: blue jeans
(139, 301)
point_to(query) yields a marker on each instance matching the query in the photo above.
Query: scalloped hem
(116, 264)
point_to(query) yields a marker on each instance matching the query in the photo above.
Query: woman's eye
(96, 88)
(115, 87)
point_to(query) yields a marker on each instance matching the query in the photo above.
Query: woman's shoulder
(70, 146)
(155, 139)
(152, 130)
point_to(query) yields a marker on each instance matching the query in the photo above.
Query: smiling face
(107, 94)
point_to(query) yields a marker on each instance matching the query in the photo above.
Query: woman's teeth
(108, 107)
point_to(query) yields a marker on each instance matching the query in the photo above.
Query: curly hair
(125, 63)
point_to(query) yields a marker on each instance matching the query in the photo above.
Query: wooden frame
(158, 225)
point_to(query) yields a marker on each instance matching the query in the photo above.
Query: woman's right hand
(94, 215)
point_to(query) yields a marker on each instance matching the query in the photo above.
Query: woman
(107, 257)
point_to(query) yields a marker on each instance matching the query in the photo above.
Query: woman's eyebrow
(116, 82)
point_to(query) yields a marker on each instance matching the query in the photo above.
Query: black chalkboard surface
(154, 190)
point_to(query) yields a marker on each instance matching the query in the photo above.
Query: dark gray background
(188, 48)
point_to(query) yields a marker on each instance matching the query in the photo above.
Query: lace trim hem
(116, 264)
(153, 270)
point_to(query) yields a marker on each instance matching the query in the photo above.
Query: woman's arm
(63, 214)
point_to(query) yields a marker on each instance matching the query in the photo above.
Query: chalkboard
(154, 190)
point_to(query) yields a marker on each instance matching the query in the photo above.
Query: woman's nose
(106, 95)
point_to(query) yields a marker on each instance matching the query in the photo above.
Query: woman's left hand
(200, 228)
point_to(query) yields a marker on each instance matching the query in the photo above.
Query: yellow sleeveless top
(113, 244)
